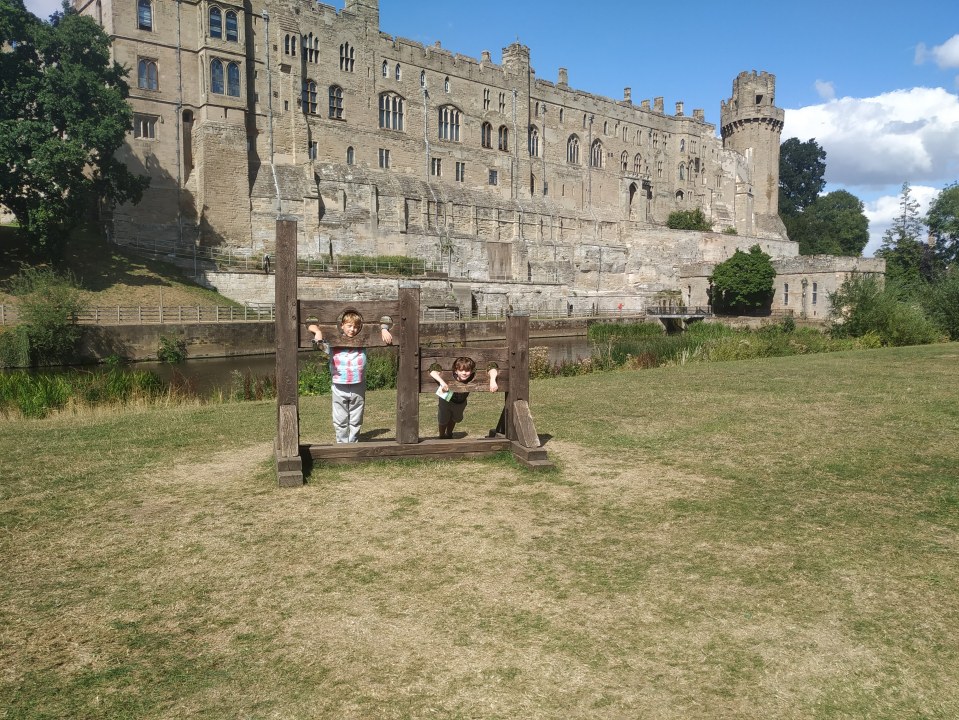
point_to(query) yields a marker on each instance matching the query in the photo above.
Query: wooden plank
(329, 311)
(368, 336)
(289, 478)
(481, 356)
(288, 432)
(382, 450)
(525, 453)
(480, 382)
(517, 340)
(523, 423)
(406, 333)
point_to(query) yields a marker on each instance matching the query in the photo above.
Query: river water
(206, 375)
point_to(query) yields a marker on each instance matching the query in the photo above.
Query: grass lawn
(109, 275)
(757, 539)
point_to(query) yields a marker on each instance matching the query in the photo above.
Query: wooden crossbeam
(433, 449)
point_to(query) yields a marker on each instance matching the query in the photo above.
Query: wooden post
(289, 464)
(517, 343)
(407, 331)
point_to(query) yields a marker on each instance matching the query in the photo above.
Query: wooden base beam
(431, 449)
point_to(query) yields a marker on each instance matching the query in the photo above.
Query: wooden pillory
(516, 433)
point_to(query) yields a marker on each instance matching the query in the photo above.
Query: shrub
(744, 282)
(688, 220)
(171, 350)
(942, 303)
(48, 305)
(863, 304)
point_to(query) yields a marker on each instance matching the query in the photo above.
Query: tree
(908, 260)
(688, 220)
(943, 222)
(802, 169)
(63, 114)
(833, 224)
(864, 305)
(744, 282)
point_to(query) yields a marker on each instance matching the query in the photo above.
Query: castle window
(216, 77)
(460, 172)
(145, 126)
(561, 114)
(233, 80)
(682, 146)
(289, 45)
(384, 159)
(815, 292)
(436, 167)
(486, 135)
(624, 161)
(584, 121)
(486, 99)
(350, 158)
(422, 78)
(785, 293)
(311, 48)
(625, 133)
(397, 74)
(596, 154)
(99, 11)
(386, 69)
(309, 97)
(659, 168)
(493, 177)
(313, 150)
(144, 15)
(391, 111)
(572, 150)
(533, 141)
(502, 102)
(680, 195)
(232, 27)
(536, 110)
(216, 22)
(605, 127)
(682, 171)
(347, 57)
(336, 102)
(503, 138)
(147, 78)
(637, 164)
(449, 123)
(446, 84)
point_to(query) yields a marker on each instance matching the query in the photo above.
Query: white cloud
(882, 210)
(825, 89)
(945, 55)
(874, 142)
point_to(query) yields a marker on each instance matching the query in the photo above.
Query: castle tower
(368, 9)
(751, 125)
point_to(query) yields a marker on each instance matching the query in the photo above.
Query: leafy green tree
(688, 220)
(833, 224)
(909, 261)
(943, 222)
(48, 305)
(744, 282)
(941, 302)
(802, 170)
(865, 305)
(63, 114)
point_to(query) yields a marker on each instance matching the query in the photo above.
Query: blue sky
(876, 83)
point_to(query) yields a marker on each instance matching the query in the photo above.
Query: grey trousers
(348, 404)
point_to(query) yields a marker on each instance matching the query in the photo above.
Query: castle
(379, 145)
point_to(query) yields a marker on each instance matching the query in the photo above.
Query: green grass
(772, 538)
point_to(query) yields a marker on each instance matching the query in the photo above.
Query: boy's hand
(317, 333)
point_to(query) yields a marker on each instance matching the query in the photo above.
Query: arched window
(286, 44)
(561, 114)
(533, 141)
(637, 164)
(504, 138)
(232, 27)
(147, 75)
(446, 84)
(99, 11)
(144, 15)
(449, 123)
(309, 97)
(625, 133)
(486, 135)
(216, 76)
(336, 102)
(680, 195)
(311, 45)
(216, 22)
(596, 154)
(386, 69)
(422, 78)
(605, 127)
(397, 74)
(624, 161)
(682, 171)
(391, 111)
(347, 57)
(572, 150)
(350, 158)
(682, 146)
(233, 80)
